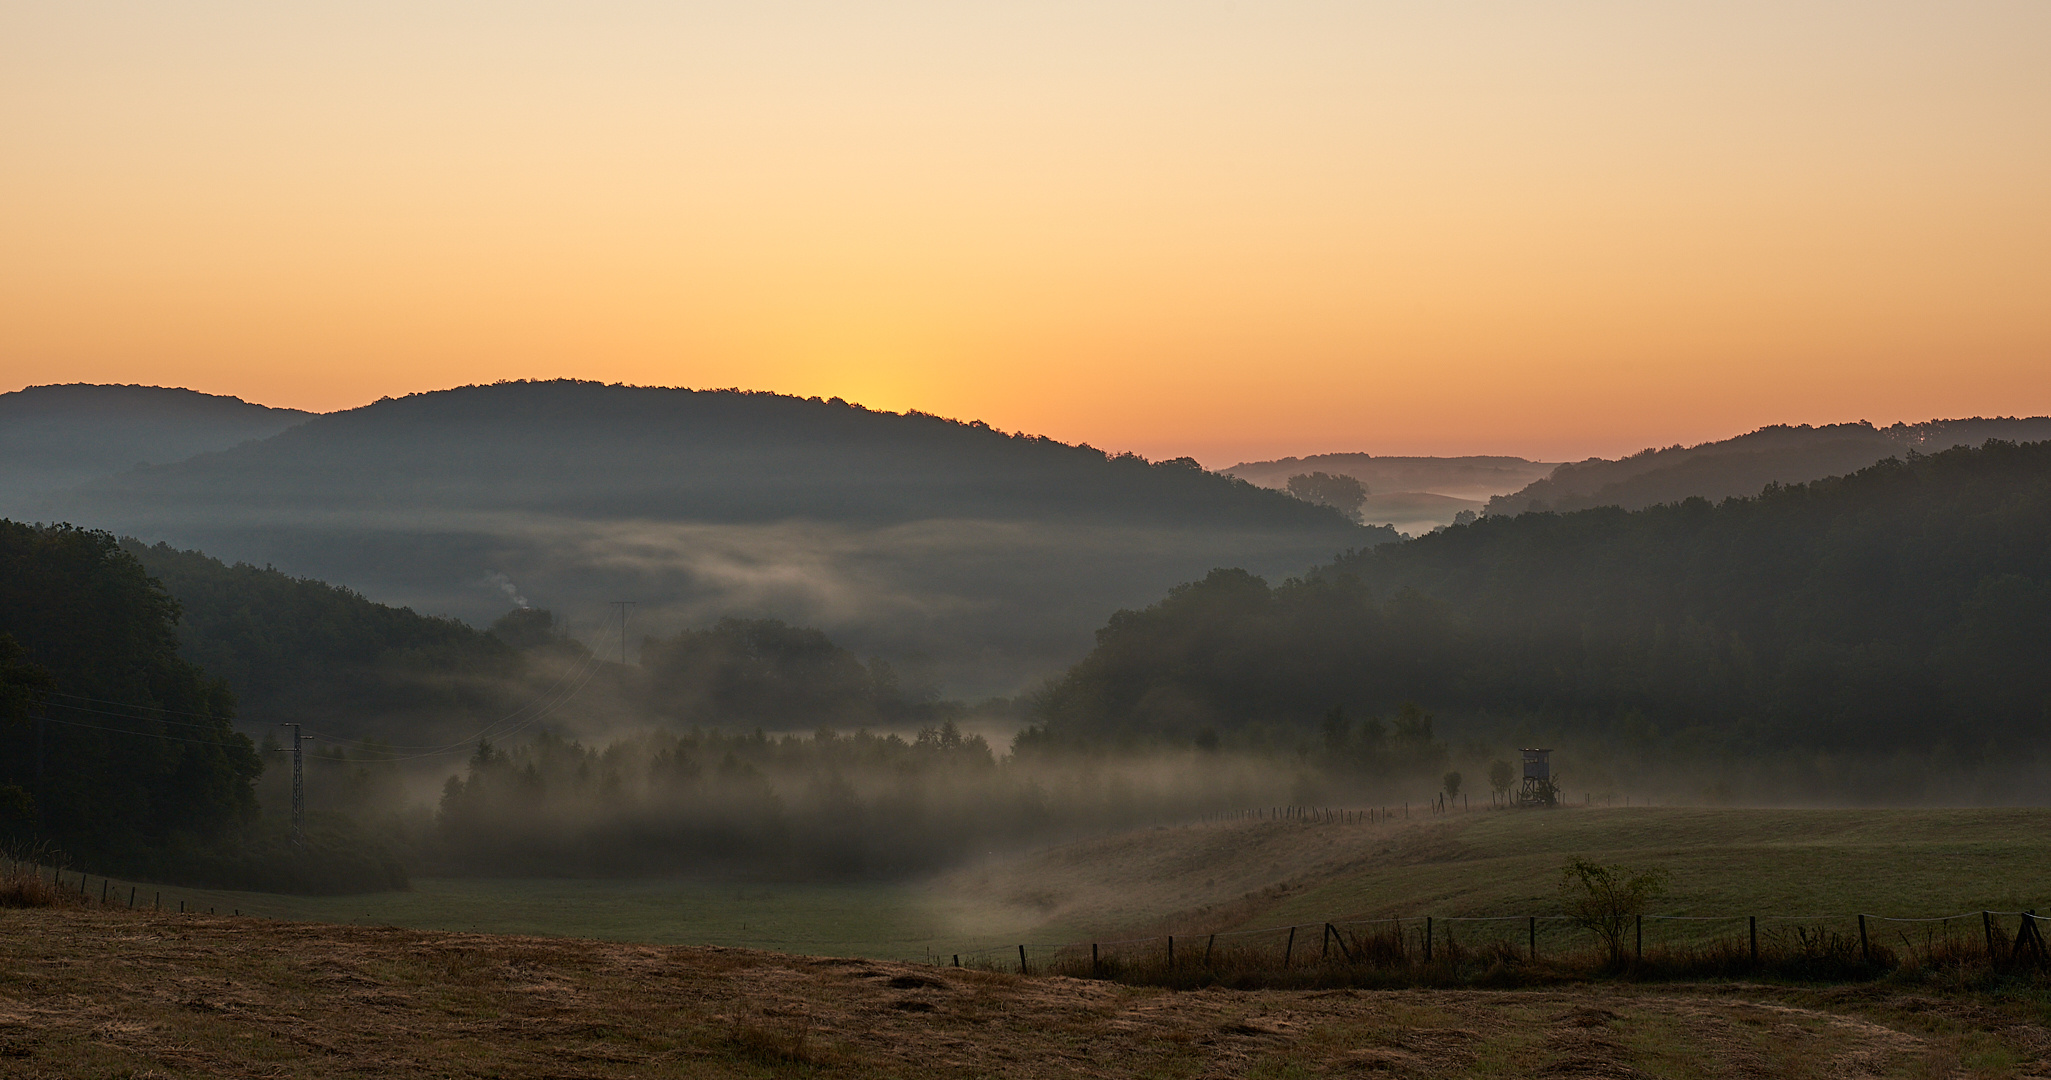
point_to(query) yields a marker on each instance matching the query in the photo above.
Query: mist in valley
(981, 558)
(880, 647)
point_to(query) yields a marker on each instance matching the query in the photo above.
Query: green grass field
(1723, 862)
(1774, 864)
(1239, 875)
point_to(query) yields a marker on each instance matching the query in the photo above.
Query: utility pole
(623, 605)
(298, 783)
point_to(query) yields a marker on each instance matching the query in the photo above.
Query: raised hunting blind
(1538, 789)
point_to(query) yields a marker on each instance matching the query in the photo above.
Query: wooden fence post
(1865, 950)
(2029, 940)
(1094, 972)
(1754, 920)
(1021, 960)
(1207, 949)
(1289, 948)
(1427, 939)
(1987, 924)
(1171, 952)
(1344, 949)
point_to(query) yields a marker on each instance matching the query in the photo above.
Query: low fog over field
(969, 642)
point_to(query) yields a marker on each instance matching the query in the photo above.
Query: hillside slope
(300, 651)
(1898, 610)
(1779, 454)
(1238, 875)
(965, 555)
(53, 437)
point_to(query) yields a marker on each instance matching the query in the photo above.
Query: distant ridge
(1744, 465)
(1477, 476)
(963, 554)
(588, 448)
(55, 436)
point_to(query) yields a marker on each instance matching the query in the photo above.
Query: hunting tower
(1538, 789)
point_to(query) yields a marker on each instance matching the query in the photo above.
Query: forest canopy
(1903, 607)
(111, 744)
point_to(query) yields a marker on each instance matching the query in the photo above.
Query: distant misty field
(1801, 866)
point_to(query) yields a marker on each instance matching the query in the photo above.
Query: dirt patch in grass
(97, 994)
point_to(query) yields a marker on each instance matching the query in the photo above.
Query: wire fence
(1827, 946)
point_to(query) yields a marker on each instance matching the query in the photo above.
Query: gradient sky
(1231, 230)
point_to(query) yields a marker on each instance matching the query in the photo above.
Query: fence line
(2028, 943)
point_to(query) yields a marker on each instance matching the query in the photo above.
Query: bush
(1608, 900)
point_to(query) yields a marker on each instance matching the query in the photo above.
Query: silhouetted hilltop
(53, 437)
(964, 555)
(591, 450)
(1746, 464)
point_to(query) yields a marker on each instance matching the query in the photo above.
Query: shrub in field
(1607, 900)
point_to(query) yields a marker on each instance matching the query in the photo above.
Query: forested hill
(967, 557)
(53, 437)
(296, 650)
(1903, 608)
(1779, 454)
(299, 650)
(590, 450)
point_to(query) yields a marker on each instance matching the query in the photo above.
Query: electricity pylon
(298, 783)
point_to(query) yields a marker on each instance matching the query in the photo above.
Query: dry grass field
(87, 993)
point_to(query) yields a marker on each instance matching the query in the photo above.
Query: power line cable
(128, 716)
(126, 704)
(127, 731)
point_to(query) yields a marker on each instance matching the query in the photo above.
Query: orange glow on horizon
(1192, 229)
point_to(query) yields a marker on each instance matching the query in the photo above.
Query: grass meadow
(1790, 867)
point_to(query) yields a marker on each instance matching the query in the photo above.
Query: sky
(1232, 230)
